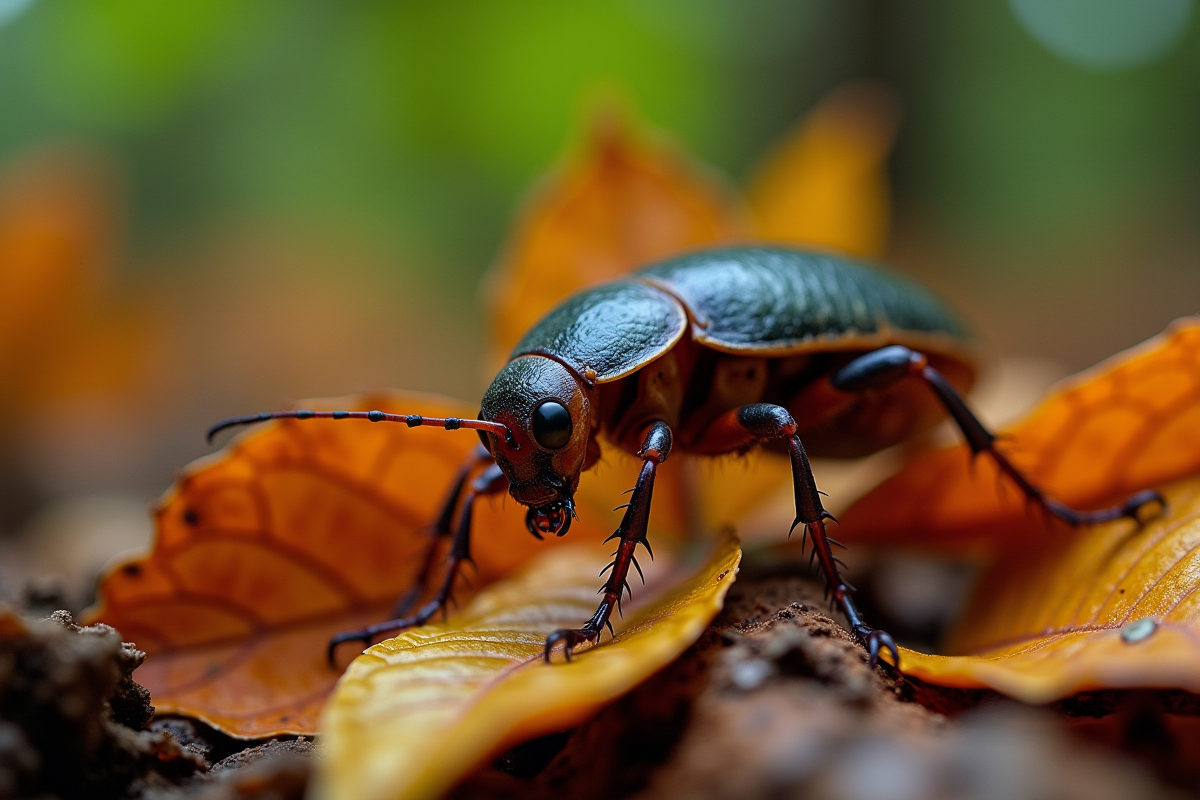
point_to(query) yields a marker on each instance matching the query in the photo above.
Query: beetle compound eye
(551, 425)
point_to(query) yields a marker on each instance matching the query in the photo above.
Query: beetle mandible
(714, 352)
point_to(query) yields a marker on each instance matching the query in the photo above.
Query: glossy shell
(761, 301)
(613, 329)
(772, 301)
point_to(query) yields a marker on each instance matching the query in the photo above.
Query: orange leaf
(827, 184)
(55, 239)
(295, 531)
(1112, 607)
(1129, 423)
(623, 202)
(416, 713)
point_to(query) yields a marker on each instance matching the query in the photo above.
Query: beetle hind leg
(656, 446)
(895, 362)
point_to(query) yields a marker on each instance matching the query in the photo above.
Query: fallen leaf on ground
(416, 713)
(1112, 606)
(297, 530)
(1130, 423)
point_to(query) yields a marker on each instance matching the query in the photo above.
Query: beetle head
(548, 412)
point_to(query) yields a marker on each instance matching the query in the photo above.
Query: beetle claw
(876, 641)
(570, 638)
(342, 638)
(1134, 505)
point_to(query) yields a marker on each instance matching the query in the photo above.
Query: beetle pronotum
(714, 352)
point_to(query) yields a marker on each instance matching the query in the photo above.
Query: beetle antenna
(411, 420)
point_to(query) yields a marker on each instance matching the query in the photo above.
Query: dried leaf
(623, 202)
(827, 184)
(55, 230)
(1130, 423)
(1113, 606)
(65, 333)
(295, 531)
(416, 713)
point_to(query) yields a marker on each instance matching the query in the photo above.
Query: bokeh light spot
(11, 9)
(1105, 34)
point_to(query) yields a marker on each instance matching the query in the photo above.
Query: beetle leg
(763, 421)
(656, 446)
(441, 529)
(890, 364)
(491, 481)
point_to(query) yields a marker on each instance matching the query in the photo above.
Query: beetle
(713, 352)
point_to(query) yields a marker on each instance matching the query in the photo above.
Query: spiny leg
(491, 481)
(762, 422)
(656, 446)
(890, 364)
(441, 528)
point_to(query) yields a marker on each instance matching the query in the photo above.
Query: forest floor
(774, 701)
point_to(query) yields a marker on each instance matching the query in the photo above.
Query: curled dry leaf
(1130, 423)
(297, 530)
(1112, 606)
(416, 713)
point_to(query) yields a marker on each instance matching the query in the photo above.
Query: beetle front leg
(491, 481)
(890, 364)
(656, 446)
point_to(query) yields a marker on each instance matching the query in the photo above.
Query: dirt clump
(276, 770)
(72, 719)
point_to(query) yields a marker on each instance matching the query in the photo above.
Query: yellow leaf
(414, 714)
(827, 184)
(1113, 606)
(1127, 424)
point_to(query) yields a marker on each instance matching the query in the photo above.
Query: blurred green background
(301, 196)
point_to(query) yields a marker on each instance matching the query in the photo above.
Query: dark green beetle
(714, 352)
